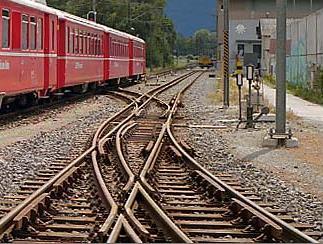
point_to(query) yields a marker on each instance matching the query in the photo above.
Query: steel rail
(123, 223)
(291, 232)
(154, 92)
(105, 196)
(167, 224)
(125, 166)
(158, 145)
(6, 221)
(294, 234)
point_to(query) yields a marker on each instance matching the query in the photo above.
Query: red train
(45, 52)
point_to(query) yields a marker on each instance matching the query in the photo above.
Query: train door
(106, 52)
(50, 60)
(46, 53)
(131, 57)
(61, 52)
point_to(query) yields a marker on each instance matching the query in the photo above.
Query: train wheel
(26, 100)
(22, 101)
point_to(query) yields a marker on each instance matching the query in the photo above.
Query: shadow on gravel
(255, 155)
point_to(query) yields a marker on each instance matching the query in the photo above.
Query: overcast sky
(191, 15)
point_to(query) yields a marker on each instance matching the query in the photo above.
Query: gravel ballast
(50, 139)
(217, 151)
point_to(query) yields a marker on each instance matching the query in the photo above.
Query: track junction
(136, 182)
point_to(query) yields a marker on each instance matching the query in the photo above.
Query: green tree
(203, 42)
(143, 18)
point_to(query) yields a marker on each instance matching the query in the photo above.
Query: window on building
(257, 50)
(40, 34)
(5, 28)
(241, 50)
(32, 34)
(25, 32)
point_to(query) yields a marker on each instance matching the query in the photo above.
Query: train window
(77, 42)
(67, 40)
(81, 42)
(85, 43)
(32, 33)
(99, 46)
(96, 45)
(53, 35)
(5, 28)
(88, 43)
(71, 49)
(91, 44)
(40, 34)
(25, 32)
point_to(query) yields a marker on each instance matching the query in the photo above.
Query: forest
(143, 18)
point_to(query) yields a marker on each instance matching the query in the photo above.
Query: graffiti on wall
(297, 63)
(304, 60)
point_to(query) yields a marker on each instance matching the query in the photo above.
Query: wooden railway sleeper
(29, 214)
(147, 150)
(174, 153)
(254, 218)
(212, 189)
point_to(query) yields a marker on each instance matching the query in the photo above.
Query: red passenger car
(45, 52)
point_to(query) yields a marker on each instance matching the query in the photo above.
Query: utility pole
(94, 5)
(281, 67)
(280, 137)
(129, 13)
(226, 52)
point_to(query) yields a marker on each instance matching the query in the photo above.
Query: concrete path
(300, 107)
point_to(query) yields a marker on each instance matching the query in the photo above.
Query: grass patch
(311, 95)
(182, 64)
(217, 96)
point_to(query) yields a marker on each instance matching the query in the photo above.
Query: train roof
(64, 15)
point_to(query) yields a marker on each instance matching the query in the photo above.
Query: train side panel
(119, 56)
(50, 50)
(82, 54)
(138, 58)
(22, 49)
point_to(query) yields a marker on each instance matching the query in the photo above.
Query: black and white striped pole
(226, 53)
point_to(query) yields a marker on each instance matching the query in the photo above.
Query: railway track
(136, 183)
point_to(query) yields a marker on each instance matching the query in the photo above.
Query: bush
(320, 81)
(306, 93)
(311, 95)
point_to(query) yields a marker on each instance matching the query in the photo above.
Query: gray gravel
(213, 150)
(167, 95)
(23, 158)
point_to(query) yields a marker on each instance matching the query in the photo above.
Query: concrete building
(248, 15)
